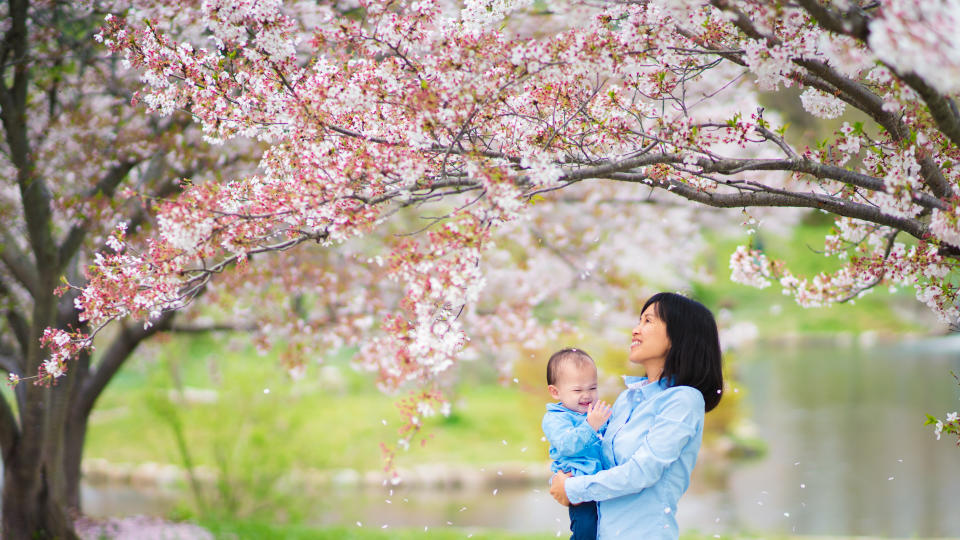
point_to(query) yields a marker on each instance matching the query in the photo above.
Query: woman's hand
(558, 488)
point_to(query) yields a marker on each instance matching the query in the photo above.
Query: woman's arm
(675, 424)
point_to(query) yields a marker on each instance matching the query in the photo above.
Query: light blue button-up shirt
(649, 449)
(574, 445)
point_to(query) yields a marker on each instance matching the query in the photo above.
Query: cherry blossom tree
(85, 169)
(71, 146)
(491, 123)
(487, 111)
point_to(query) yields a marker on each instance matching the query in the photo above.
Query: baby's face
(576, 386)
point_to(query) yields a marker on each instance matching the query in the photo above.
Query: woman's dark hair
(694, 356)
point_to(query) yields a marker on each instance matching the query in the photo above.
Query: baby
(574, 427)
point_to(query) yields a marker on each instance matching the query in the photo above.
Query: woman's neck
(653, 370)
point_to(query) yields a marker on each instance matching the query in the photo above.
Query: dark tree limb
(854, 22)
(18, 324)
(210, 328)
(9, 431)
(828, 80)
(10, 363)
(18, 263)
(107, 186)
(782, 198)
(942, 109)
(891, 240)
(113, 358)
(734, 166)
(34, 191)
(21, 329)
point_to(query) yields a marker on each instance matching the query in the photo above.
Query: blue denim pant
(583, 521)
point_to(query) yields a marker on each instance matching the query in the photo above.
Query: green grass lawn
(306, 424)
(253, 530)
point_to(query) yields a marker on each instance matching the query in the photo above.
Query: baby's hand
(597, 414)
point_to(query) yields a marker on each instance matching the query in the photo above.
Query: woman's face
(650, 342)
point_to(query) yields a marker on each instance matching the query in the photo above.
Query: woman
(652, 439)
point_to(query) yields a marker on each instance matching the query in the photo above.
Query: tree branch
(9, 431)
(781, 198)
(107, 186)
(733, 166)
(853, 23)
(891, 240)
(114, 357)
(10, 364)
(19, 263)
(859, 96)
(17, 322)
(34, 192)
(208, 328)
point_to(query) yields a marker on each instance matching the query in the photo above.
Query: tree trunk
(75, 435)
(33, 479)
(72, 459)
(29, 511)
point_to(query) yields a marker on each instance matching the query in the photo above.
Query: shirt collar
(555, 407)
(644, 384)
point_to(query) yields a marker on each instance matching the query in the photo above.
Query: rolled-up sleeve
(567, 438)
(674, 425)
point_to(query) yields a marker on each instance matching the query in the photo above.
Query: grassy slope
(257, 530)
(304, 424)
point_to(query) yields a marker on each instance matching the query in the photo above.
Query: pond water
(847, 454)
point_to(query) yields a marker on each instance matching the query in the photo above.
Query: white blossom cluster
(945, 225)
(482, 13)
(750, 267)
(821, 105)
(920, 36)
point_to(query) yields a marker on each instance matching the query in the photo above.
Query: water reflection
(847, 455)
(848, 452)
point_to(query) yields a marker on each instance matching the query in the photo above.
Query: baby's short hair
(561, 357)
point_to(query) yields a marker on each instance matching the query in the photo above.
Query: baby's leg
(583, 521)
